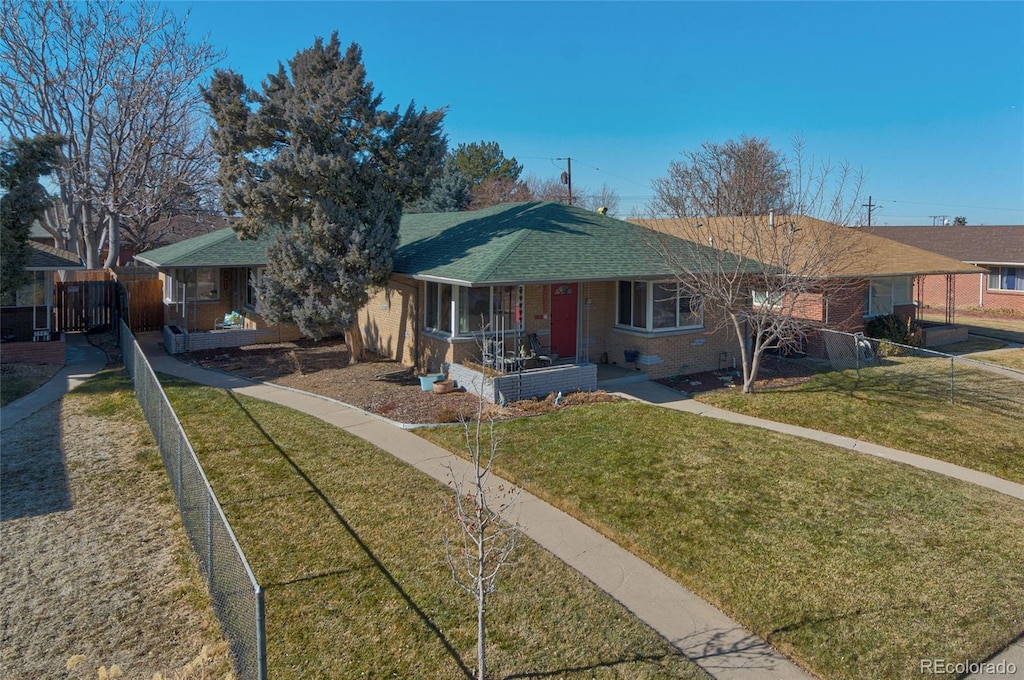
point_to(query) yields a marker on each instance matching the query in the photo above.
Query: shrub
(895, 329)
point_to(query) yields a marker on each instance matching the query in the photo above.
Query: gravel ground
(95, 564)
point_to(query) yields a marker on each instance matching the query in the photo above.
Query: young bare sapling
(484, 540)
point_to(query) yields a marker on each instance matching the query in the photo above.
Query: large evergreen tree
(22, 163)
(316, 158)
(492, 177)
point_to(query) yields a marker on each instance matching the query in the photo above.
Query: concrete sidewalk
(81, 362)
(704, 634)
(660, 395)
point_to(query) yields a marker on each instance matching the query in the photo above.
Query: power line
(953, 205)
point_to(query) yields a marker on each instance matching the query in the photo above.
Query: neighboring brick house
(999, 250)
(27, 315)
(206, 278)
(866, 275)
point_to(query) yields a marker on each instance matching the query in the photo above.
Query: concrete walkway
(81, 362)
(655, 393)
(704, 634)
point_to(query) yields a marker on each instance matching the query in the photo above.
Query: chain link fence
(236, 595)
(957, 378)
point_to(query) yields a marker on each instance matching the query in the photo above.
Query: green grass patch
(346, 541)
(904, 404)
(14, 387)
(1011, 358)
(856, 567)
(972, 345)
(1009, 328)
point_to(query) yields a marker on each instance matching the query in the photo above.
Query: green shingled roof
(221, 248)
(529, 243)
(504, 244)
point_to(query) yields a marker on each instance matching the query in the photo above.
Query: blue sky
(926, 98)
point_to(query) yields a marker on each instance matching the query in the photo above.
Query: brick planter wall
(33, 352)
(539, 382)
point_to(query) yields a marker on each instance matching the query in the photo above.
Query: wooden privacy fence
(143, 305)
(91, 305)
(85, 305)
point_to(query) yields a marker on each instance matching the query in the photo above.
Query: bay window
(479, 308)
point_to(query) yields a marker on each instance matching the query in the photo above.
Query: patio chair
(538, 350)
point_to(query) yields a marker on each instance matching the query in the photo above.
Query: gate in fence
(236, 595)
(85, 305)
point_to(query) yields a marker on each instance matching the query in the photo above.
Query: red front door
(564, 303)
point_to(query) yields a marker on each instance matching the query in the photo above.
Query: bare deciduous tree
(555, 190)
(120, 84)
(485, 539)
(770, 274)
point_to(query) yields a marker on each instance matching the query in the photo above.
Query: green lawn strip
(971, 346)
(346, 541)
(906, 407)
(1008, 328)
(14, 387)
(1011, 358)
(856, 567)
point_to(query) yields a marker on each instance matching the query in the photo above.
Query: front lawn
(855, 566)
(346, 541)
(1011, 358)
(904, 404)
(1008, 327)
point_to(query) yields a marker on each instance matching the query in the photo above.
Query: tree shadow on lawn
(570, 670)
(362, 545)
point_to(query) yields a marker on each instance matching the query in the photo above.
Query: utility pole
(870, 206)
(567, 176)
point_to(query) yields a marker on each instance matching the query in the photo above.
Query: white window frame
(190, 277)
(253, 275)
(438, 314)
(643, 317)
(885, 293)
(998, 276)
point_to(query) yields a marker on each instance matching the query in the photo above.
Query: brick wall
(970, 292)
(390, 320)
(33, 352)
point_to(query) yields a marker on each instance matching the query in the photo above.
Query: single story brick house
(206, 278)
(998, 250)
(588, 288)
(27, 315)
(869, 276)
